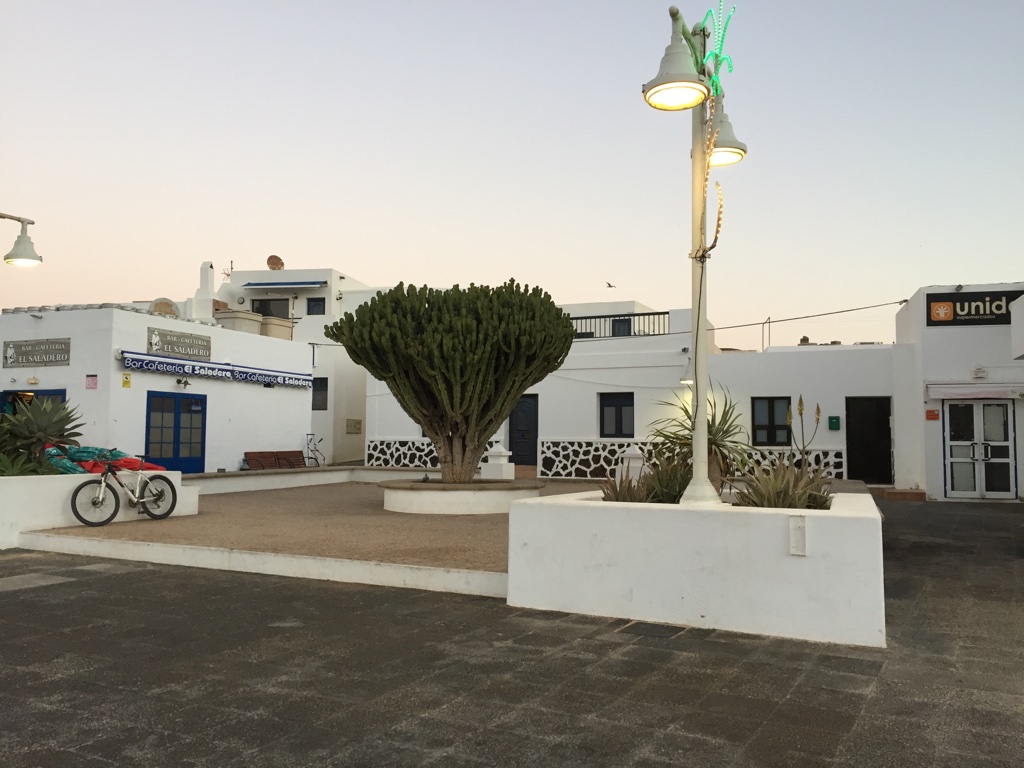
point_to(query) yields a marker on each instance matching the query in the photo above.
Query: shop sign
(187, 346)
(975, 308)
(138, 361)
(37, 353)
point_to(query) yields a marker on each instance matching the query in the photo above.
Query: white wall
(40, 503)
(947, 357)
(823, 375)
(346, 381)
(724, 568)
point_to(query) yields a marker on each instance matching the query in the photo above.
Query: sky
(459, 141)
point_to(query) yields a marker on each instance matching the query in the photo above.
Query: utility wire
(762, 322)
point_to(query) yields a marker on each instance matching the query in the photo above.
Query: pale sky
(473, 141)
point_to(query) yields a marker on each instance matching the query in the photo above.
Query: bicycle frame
(134, 496)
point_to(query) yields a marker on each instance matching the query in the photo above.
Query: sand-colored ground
(345, 521)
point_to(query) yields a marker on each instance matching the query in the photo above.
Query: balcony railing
(610, 326)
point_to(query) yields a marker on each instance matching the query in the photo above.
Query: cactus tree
(457, 360)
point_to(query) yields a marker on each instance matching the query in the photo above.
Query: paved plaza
(108, 663)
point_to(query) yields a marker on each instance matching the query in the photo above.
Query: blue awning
(291, 284)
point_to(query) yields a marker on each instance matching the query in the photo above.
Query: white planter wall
(725, 568)
(39, 503)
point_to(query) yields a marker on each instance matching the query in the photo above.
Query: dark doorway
(869, 439)
(14, 398)
(522, 430)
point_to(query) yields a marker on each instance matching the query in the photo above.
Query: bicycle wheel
(94, 503)
(157, 496)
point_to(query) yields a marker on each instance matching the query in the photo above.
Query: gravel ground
(345, 521)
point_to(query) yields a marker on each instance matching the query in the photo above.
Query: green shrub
(21, 465)
(791, 484)
(662, 482)
(728, 442)
(25, 435)
(785, 487)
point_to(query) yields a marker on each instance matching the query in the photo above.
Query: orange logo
(942, 310)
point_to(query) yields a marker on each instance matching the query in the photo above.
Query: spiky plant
(728, 441)
(39, 423)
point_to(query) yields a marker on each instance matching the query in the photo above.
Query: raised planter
(806, 574)
(37, 503)
(481, 497)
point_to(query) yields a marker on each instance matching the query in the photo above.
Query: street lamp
(23, 254)
(684, 81)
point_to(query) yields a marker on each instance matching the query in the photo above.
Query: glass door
(980, 462)
(176, 431)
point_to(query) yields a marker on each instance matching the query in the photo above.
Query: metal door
(980, 460)
(522, 427)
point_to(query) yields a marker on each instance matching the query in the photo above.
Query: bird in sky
(608, 284)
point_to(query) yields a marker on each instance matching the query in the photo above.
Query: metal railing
(611, 326)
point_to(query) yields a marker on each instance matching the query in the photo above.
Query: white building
(300, 302)
(190, 395)
(936, 412)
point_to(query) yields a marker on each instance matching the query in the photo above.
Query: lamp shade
(23, 254)
(677, 85)
(728, 149)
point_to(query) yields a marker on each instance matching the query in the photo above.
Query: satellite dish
(275, 262)
(164, 307)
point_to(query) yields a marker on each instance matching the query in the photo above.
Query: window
(616, 414)
(316, 305)
(622, 326)
(271, 307)
(320, 393)
(769, 422)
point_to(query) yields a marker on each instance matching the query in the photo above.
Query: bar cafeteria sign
(981, 308)
(37, 353)
(183, 345)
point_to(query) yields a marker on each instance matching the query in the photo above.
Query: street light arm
(24, 222)
(680, 32)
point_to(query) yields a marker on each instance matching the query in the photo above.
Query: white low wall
(724, 567)
(39, 503)
(485, 583)
(271, 479)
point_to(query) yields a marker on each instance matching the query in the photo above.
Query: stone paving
(106, 663)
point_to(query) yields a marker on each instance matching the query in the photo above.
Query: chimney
(202, 302)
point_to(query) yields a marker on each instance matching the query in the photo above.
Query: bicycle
(313, 453)
(96, 502)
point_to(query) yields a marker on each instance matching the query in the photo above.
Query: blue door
(176, 431)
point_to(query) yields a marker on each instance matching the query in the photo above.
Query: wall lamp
(23, 254)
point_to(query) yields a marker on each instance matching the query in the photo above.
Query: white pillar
(700, 488)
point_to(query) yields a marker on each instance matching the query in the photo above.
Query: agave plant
(662, 482)
(791, 484)
(21, 465)
(38, 424)
(785, 486)
(728, 441)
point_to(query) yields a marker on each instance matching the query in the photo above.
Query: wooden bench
(290, 459)
(275, 459)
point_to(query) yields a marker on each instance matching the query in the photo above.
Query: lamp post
(23, 254)
(685, 82)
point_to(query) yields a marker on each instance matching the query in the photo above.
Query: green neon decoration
(715, 55)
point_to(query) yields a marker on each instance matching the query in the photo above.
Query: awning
(289, 284)
(975, 390)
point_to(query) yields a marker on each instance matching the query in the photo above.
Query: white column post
(700, 488)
